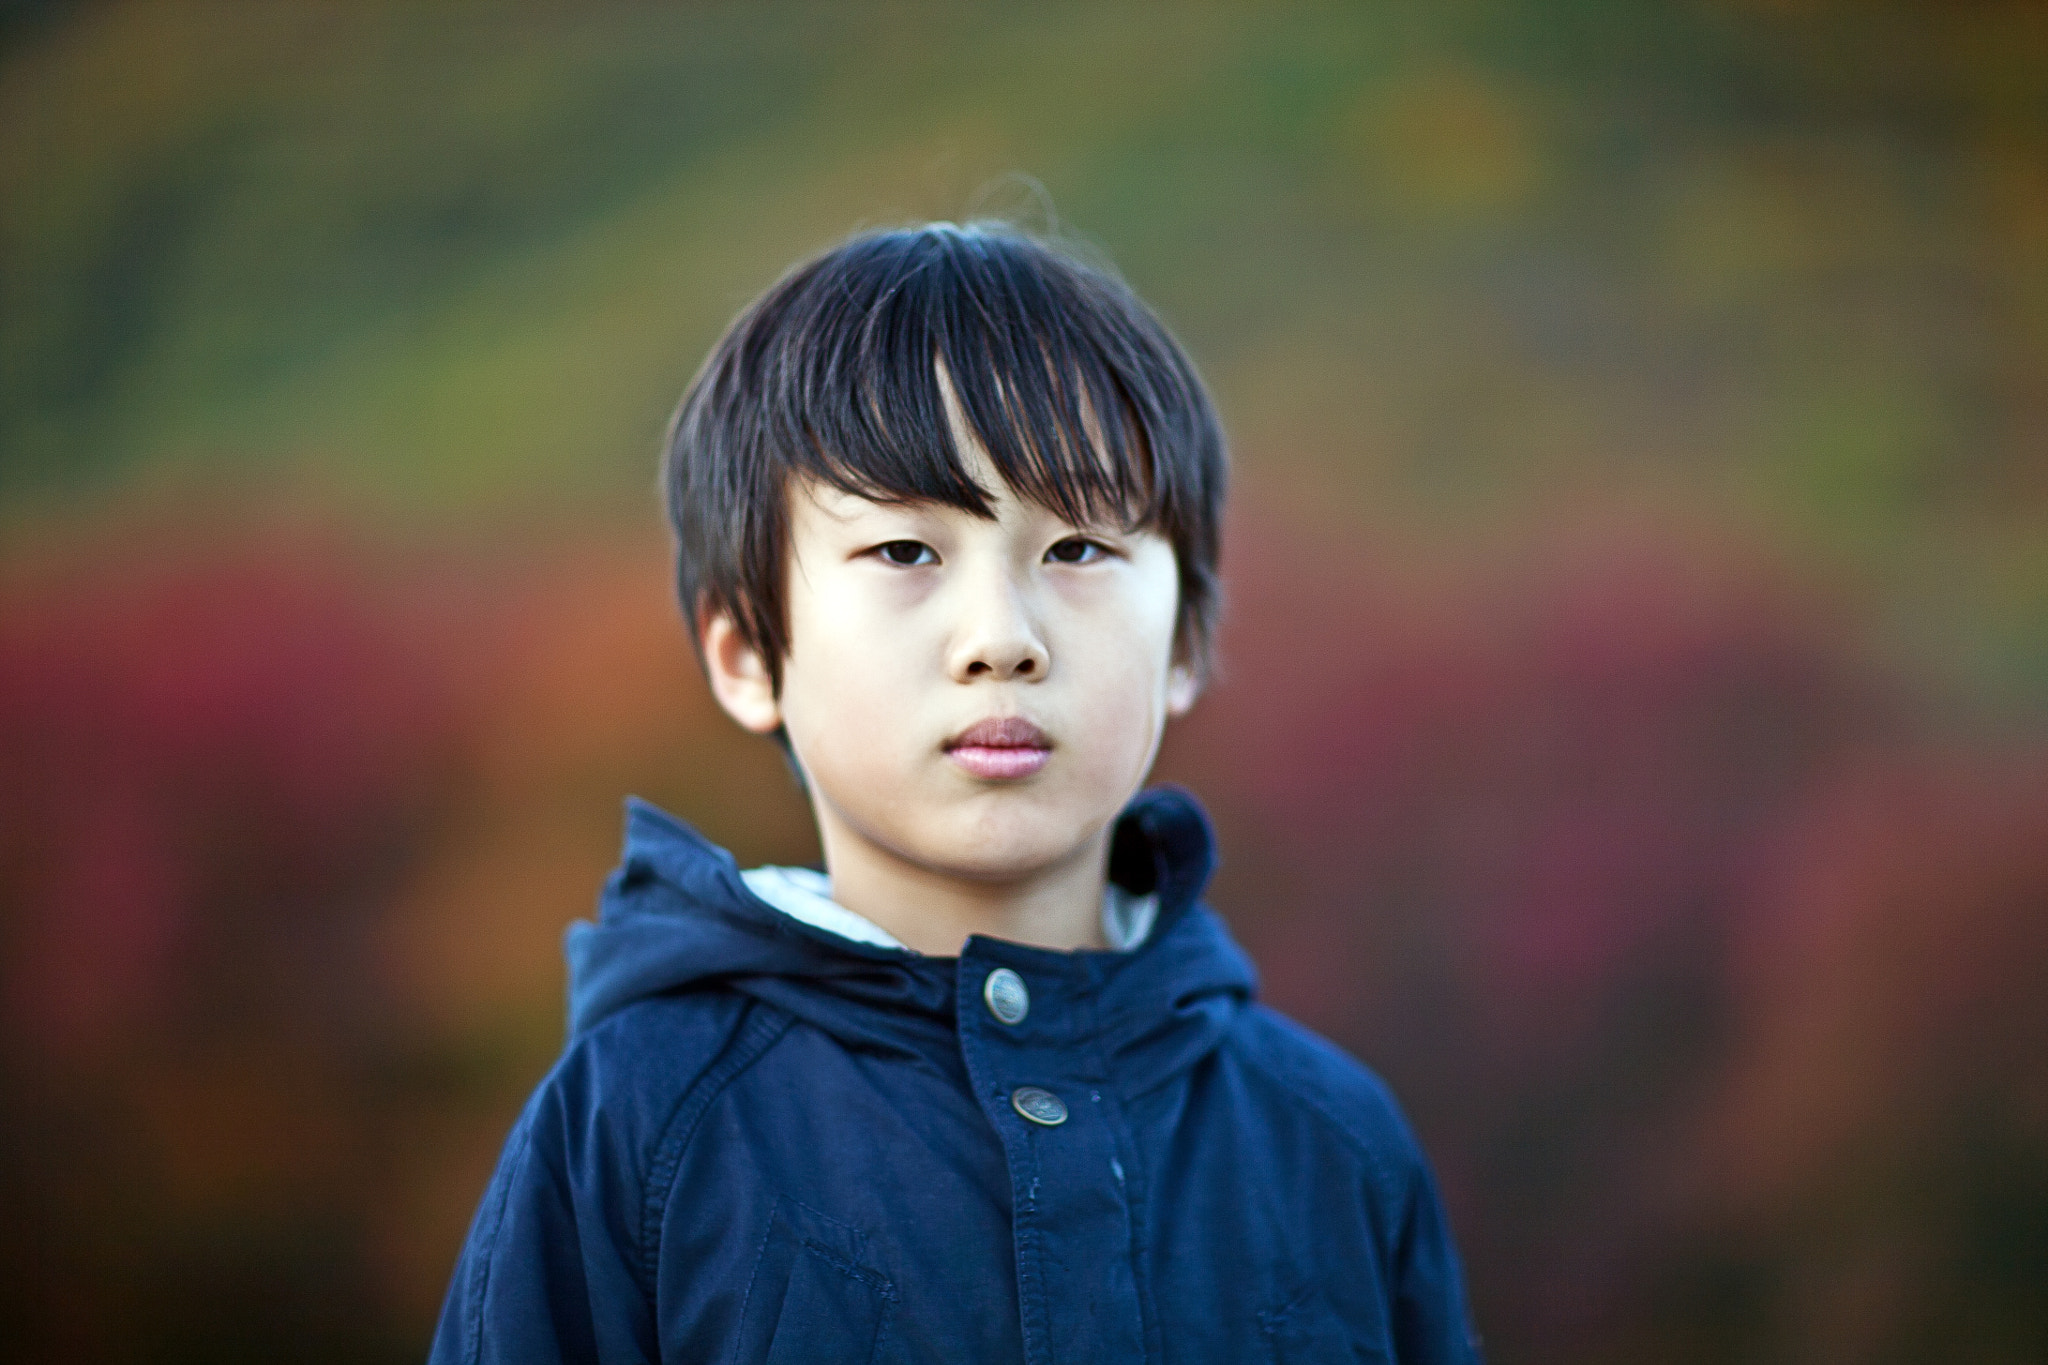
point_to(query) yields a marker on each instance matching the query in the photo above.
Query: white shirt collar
(804, 893)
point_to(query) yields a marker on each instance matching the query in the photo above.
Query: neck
(934, 912)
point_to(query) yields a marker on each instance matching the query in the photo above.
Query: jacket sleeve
(1431, 1322)
(548, 1275)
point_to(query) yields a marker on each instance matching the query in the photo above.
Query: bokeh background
(1633, 737)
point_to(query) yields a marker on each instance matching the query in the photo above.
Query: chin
(1004, 845)
(996, 871)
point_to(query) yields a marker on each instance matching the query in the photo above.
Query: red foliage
(198, 743)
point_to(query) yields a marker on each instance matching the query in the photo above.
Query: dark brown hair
(1083, 400)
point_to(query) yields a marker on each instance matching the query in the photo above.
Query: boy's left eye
(907, 553)
(1076, 550)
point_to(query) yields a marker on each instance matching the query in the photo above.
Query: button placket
(1036, 1084)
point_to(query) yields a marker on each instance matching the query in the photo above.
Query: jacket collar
(676, 914)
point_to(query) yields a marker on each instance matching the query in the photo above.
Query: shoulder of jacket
(625, 1082)
(591, 1154)
(1330, 1082)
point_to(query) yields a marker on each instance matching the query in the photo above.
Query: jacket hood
(676, 914)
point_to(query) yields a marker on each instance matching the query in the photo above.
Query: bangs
(1064, 390)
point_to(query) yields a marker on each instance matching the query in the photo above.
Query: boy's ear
(739, 675)
(1183, 685)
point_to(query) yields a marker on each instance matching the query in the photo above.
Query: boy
(992, 1087)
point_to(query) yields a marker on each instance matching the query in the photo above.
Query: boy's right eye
(907, 553)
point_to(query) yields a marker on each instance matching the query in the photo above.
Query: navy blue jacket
(765, 1142)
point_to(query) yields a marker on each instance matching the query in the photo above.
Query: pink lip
(997, 750)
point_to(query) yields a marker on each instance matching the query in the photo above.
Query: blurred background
(1633, 733)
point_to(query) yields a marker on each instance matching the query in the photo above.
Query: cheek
(1121, 698)
(844, 692)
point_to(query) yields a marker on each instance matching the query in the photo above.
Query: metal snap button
(1039, 1105)
(1007, 999)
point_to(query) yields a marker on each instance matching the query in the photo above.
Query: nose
(997, 637)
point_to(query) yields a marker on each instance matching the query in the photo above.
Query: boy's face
(974, 698)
